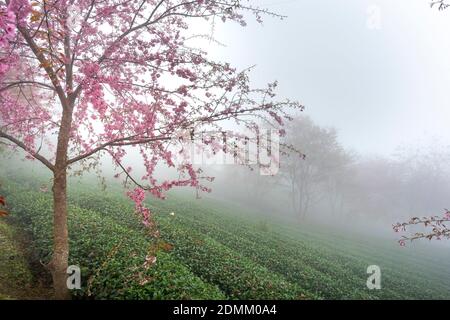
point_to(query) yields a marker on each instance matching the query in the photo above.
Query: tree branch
(18, 83)
(49, 70)
(20, 144)
(127, 141)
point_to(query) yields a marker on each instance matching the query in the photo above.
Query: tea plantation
(210, 251)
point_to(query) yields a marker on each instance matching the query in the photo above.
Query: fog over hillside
(185, 182)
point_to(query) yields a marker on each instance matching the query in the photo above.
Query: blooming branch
(437, 225)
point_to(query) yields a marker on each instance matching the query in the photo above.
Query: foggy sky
(380, 84)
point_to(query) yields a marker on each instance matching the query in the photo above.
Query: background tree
(119, 75)
(427, 186)
(322, 182)
(321, 169)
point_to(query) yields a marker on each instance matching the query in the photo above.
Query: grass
(17, 281)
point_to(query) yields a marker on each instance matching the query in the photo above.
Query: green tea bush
(236, 275)
(111, 256)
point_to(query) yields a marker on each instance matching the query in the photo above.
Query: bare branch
(19, 83)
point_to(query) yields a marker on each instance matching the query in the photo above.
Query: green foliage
(206, 252)
(236, 275)
(323, 266)
(14, 271)
(17, 277)
(111, 256)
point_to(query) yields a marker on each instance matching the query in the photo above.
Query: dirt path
(16, 279)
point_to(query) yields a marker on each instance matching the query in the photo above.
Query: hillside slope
(16, 279)
(209, 251)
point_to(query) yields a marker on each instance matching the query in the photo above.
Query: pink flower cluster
(7, 32)
(138, 197)
(447, 215)
(129, 82)
(436, 225)
(7, 25)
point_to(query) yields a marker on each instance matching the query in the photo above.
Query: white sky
(379, 87)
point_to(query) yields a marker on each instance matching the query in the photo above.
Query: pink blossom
(127, 85)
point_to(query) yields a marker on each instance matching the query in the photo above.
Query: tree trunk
(60, 260)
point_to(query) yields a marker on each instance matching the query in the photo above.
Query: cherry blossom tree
(89, 78)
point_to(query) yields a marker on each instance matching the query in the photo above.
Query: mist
(370, 150)
(373, 82)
